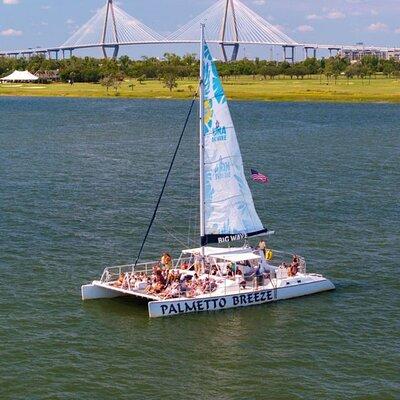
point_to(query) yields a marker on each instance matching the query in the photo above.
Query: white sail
(229, 212)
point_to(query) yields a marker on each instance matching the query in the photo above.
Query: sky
(32, 23)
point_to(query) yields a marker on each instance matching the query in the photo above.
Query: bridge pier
(331, 49)
(289, 57)
(235, 51)
(314, 52)
(115, 51)
(55, 51)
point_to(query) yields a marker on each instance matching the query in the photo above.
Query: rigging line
(169, 232)
(166, 178)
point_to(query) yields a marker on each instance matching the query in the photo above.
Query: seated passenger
(229, 272)
(172, 291)
(240, 279)
(185, 265)
(120, 280)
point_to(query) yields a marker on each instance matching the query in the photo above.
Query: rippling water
(79, 179)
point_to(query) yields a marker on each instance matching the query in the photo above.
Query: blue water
(79, 180)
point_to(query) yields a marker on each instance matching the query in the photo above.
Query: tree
(299, 70)
(116, 83)
(350, 72)
(125, 63)
(388, 69)
(170, 81)
(108, 81)
(141, 78)
(269, 70)
(334, 66)
(311, 65)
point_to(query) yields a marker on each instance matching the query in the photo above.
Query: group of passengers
(292, 268)
(167, 282)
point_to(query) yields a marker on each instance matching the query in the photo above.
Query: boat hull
(169, 308)
(94, 291)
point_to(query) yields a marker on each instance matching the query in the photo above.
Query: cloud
(281, 28)
(312, 17)
(45, 7)
(69, 21)
(9, 2)
(377, 26)
(259, 2)
(305, 28)
(336, 15)
(397, 30)
(11, 32)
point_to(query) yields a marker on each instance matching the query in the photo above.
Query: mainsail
(229, 212)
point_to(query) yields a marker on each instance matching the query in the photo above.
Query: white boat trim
(278, 289)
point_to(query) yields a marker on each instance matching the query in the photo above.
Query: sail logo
(232, 238)
(222, 170)
(220, 134)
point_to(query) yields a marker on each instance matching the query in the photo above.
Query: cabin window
(299, 281)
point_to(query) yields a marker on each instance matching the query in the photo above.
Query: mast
(201, 140)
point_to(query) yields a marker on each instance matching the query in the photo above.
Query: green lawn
(379, 89)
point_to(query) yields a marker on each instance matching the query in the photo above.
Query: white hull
(284, 289)
(94, 291)
(242, 299)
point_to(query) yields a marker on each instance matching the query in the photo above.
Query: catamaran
(212, 276)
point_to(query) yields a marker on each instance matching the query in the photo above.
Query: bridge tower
(229, 7)
(110, 17)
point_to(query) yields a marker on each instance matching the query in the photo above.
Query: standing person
(258, 277)
(166, 261)
(262, 246)
(197, 263)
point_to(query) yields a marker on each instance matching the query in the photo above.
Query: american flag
(257, 177)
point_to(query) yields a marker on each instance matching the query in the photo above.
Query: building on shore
(357, 52)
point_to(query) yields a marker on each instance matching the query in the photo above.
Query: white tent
(20, 76)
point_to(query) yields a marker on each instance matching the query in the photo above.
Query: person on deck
(262, 246)
(198, 264)
(166, 261)
(240, 279)
(294, 266)
(258, 276)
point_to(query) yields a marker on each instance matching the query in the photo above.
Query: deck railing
(111, 274)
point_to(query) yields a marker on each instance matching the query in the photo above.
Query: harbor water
(79, 180)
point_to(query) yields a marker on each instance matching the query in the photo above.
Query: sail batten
(229, 212)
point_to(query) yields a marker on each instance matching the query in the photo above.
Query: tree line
(172, 66)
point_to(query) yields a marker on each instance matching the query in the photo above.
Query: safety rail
(229, 286)
(280, 257)
(111, 274)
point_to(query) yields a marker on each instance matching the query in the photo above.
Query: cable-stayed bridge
(229, 23)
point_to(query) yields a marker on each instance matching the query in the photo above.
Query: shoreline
(310, 90)
(235, 99)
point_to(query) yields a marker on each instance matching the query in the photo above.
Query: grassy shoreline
(379, 89)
